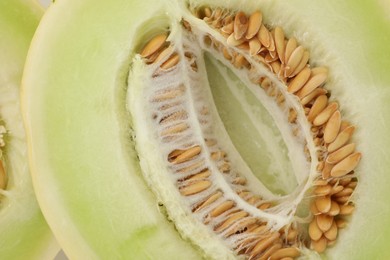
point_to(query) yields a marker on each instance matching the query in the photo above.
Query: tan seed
(272, 47)
(344, 192)
(324, 116)
(342, 200)
(331, 234)
(152, 58)
(290, 47)
(318, 106)
(187, 155)
(323, 190)
(3, 176)
(299, 81)
(292, 235)
(314, 210)
(324, 222)
(294, 60)
(332, 127)
(346, 209)
(239, 181)
(276, 67)
(207, 12)
(195, 187)
(225, 167)
(334, 209)
(226, 53)
(241, 226)
(231, 41)
(253, 200)
(341, 223)
(217, 13)
(215, 156)
(254, 24)
(323, 204)
(315, 232)
(319, 245)
(285, 252)
(341, 153)
(352, 185)
(268, 58)
(264, 36)
(337, 189)
(260, 229)
(346, 165)
(317, 92)
(302, 64)
(321, 164)
(200, 176)
(244, 46)
(171, 62)
(192, 166)
(270, 251)
(240, 25)
(244, 194)
(154, 45)
(345, 181)
(164, 54)
(264, 243)
(240, 61)
(264, 206)
(231, 220)
(178, 128)
(254, 46)
(292, 115)
(208, 201)
(341, 139)
(228, 28)
(313, 83)
(326, 170)
(279, 43)
(221, 208)
(320, 182)
(169, 94)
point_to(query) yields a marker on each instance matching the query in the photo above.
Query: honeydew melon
(24, 233)
(92, 159)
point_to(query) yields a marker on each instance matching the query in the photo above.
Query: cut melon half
(24, 233)
(189, 129)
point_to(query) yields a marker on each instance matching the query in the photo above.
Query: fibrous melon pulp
(24, 233)
(249, 126)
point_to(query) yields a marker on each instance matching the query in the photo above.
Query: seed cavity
(247, 44)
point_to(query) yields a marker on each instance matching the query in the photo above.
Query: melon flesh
(24, 233)
(85, 169)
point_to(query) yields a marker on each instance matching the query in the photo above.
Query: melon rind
(85, 170)
(24, 233)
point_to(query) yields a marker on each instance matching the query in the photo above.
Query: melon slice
(107, 176)
(24, 232)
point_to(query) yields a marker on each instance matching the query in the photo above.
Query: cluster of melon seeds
(226, 198)
(3, 175)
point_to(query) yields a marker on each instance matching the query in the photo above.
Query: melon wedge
(24, 233)
(85, 168)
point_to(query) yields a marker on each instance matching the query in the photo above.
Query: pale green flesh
(23, 230)
(96, 186)
(269, 163)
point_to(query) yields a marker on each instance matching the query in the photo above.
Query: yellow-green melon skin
(85, 169)
(24, 234)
